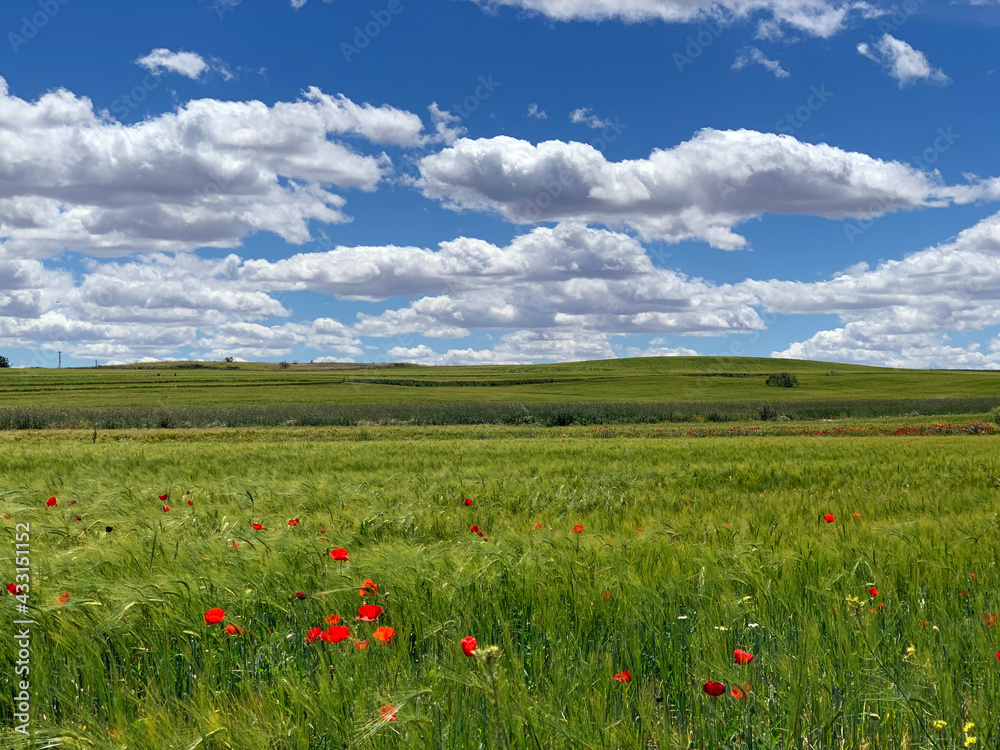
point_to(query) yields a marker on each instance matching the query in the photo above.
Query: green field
(733, 553)
(662, 379)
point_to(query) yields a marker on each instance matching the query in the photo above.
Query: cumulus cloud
(752, 55)
(189, 64)
(903, 312)
(902, 62)
(700, 189)
(585, 116)
(518, 347)
(538, 114)
(207, 174)
(569, 277)
(821, 18)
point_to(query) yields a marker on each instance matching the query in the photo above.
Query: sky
(500, 181)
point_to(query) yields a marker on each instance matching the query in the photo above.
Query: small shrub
(4, 362)
(995, 414)
(782, 380)
(767, 413)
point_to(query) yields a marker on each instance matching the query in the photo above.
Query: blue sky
(453, 181)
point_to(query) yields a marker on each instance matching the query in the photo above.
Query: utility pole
(60, 360)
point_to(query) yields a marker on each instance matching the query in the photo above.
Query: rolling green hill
(680, 380)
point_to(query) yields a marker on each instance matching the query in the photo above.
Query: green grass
(648, 380)
(732, 537)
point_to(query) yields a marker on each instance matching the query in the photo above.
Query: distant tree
(4, 362)
(229, 359)
(767, 413)
(782, 380)
(284, 365)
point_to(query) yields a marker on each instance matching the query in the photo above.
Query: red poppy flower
(480, 533)
(991, 619)
(474, 529)
(166, 508)
(335, 634)
(998, 655)
(51, 502)
(605, 596)
(234, 630)
(109, 529)
(624, 677)
(387, 713)
(857, 515)
(190, 502)
(469, 645)
(13, 588)
(368, 587)
(63, 598)
(578, 529)
(339, 554)
(384, 635)
(715, 689)
(873, 591)
(638, 531)
(360, 645)
(214, 616)
(331, 619)
(234, 545)
(922, 623)
(257, 526)
(300, 594)
(468, 502)
(538, 526)
(162, 498)
(78, 518)
(294, 522)
(740, 695)
(742, 657)
(829, 518)
(72, 502)
(313, 635)
(368, 612)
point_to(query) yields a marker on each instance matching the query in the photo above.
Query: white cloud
(538, 114)
(519, 347)
(207, 174)
(822, 18)
(749, 55)
(189, 64)
(700, 189)
(902, 62)
(903, 312)
(567, 278)
(585, 116)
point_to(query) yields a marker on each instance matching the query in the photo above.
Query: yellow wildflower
(938, 724)
(970, 741)
(968, 727)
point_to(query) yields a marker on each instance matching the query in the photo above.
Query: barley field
(203, 589)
